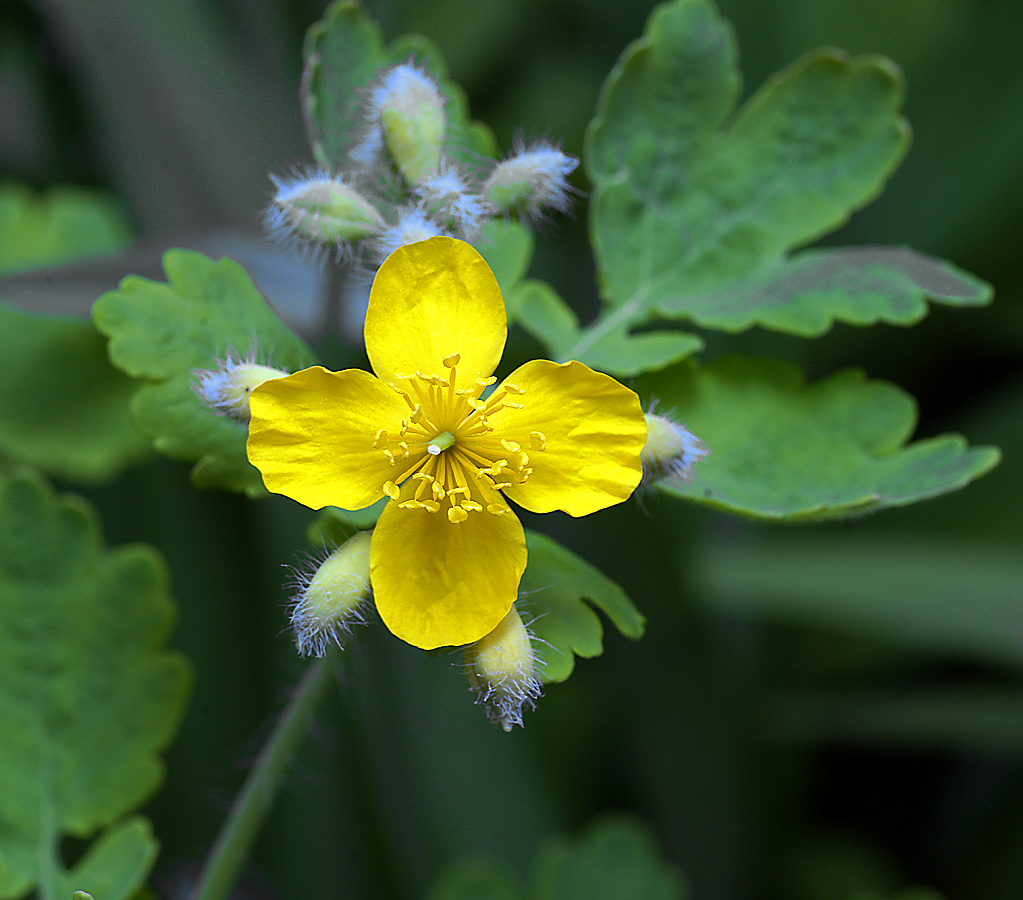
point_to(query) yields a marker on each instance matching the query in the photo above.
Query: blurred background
(813, 711)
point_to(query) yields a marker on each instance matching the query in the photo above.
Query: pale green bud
(318, 209)
(670, 449)
(502, 671)
(410, 109)
(226, 389)
(531, 179)
(333, 598)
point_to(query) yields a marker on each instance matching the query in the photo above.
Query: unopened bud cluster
(401, 185)
(227, 388)
(671, 449)
(332, 598)
(502, 671)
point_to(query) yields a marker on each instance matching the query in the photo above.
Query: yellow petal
(592, 429)
(430, 301)
(312, 435)
(440, 584)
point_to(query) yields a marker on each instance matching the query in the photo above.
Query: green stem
(251, 806)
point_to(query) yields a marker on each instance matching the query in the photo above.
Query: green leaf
(161, 332)
(607, 346)
(343, 52)
(615, 858)
(783, 449)
(333, 526)
(553, 589)
(88, 694)
(697, 206)
(476, 879)
(805, 293)
(116, 864)
(508, 249)
(63, 407)
(63, 225)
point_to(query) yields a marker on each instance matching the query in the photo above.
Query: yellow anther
(496, 510)
(403, 429)
(476, 403)
(409, 504)
(510, 446)
(512, 388)
(404, 449)
(486, 382)
(390, 456)
(417, 414)
(522, 461)
(430, 505)
(438, 492)
(380, 440)
(501, 485)
(472, 506)
(455, 491)
(512, 405)
(422, 476)
(537, 440)
(391, 489)
(456, 514)
(453, 360)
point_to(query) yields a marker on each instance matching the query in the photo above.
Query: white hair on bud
(535, 177)
(413, 225)
(449, 198)
(226, 389)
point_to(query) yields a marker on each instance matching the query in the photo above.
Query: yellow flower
(447, 553)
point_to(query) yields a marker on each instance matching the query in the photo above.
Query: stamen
(537, 440)
(453, 360)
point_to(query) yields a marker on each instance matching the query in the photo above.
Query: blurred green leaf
(695, 209)
(162, 332)
(343, 52)
(609, 347)
(615, 858)
(947, 598)
(508, 249)
(475, 879)
(783, 449)
(333, 525)
(553, 590)
(63, 407)
(88, 695)
(63, 225)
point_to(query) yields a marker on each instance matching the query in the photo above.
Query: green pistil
(440, 443)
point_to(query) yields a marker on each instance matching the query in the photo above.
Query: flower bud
(226, 389)
(448, 198)
(412, 226)
(332, 599)
(410, 109)
(319, 210)
(670, 449)
(501, 669)
(530, 179)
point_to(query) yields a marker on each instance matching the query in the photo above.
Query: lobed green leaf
(615, 858)
(162, 332)
(783, 449)
(553, 589)
(698, 206)
(63, 407)
(88, 694)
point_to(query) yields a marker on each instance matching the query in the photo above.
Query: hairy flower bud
(670, 449)
(448, 198)
(319, 210)
(412, 226)
(530, 179)
(409, 108)
(226, 389)
(501, 669)
(332, 599)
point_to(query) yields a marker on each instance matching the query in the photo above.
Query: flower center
(448, 453)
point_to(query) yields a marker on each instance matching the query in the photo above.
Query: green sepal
(162, 332)
(697, 205)
(553, 592)
(333, 525)
(783, 449)
(343, 53)
(63, 407)
(89, 695)
(62, 225)
(607, 345)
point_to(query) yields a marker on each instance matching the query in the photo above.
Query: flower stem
(253, 803)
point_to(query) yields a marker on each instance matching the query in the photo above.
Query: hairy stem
(253, 803)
